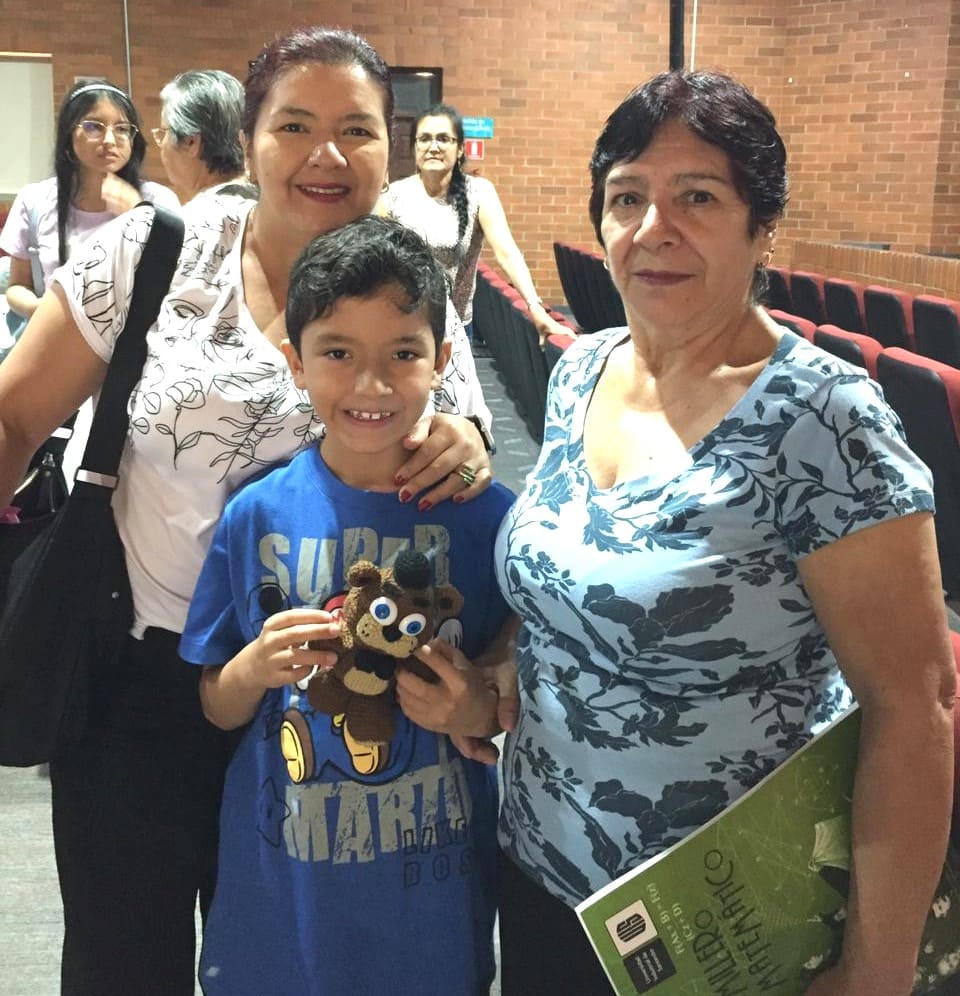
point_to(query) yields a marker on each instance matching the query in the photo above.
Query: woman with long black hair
(98, 152)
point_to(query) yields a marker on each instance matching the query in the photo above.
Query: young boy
(346, 868)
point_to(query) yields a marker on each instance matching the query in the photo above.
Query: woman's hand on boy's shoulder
(449, 461)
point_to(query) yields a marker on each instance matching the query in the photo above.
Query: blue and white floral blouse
(669, 656)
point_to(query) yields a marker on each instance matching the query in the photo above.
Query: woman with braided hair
(454, 213)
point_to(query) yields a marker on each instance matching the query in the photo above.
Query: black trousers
(543, 949)
(135, 821)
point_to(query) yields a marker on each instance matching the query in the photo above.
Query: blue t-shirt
(340, 881)
(669, 655)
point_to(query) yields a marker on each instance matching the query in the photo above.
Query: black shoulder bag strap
(69, 606)
(101, 458)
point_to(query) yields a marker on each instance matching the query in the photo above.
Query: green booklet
(754, 901)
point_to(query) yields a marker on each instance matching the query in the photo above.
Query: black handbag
(41, 494)
(68, 603)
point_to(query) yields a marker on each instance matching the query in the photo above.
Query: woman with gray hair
(199, 133)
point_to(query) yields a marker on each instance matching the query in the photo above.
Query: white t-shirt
(216, 402)
(38, 202)
(436, 221)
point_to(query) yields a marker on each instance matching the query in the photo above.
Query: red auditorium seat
(494, 278)
(799, 325)
(806, 289)
(502, 321)
(606, 298)
(574, 286)
(588, 288)
(843, 303)
(530, 388)
(853, 347)
(926, 396)
(490, 304)
(936, 326)
(553, 349)
(889, 315)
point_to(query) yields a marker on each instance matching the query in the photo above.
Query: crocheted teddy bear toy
(387, 614)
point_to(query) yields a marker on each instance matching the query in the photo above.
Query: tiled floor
(30, 923)
(516, 451)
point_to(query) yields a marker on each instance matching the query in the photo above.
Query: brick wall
(945, 220)
(860, 88)
(909, 271)
(863, 117)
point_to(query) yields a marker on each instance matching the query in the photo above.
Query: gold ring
(467, 474)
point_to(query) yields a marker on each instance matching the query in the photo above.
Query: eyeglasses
(425, 141)
(97, 130)
(159, 134)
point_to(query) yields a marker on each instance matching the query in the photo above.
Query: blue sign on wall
(478, 127)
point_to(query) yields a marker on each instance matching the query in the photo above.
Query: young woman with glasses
(97, 156)
(454, 213)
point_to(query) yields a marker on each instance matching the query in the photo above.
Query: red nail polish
(459, 499)
(405, 495)
(424, 505)
(399, 480)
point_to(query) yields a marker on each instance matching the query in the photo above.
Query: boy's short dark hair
(360, 258)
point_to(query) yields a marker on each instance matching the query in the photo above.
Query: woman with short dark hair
(725, 540)
(136, 802)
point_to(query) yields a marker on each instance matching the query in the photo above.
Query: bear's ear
(447, 601)
(361, 573)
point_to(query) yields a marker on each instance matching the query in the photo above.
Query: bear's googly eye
(384, 610)
(413, 624)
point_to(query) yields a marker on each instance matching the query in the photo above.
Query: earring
(385, 187)
(606, 264)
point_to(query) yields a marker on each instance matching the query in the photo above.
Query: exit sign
(473, 148)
